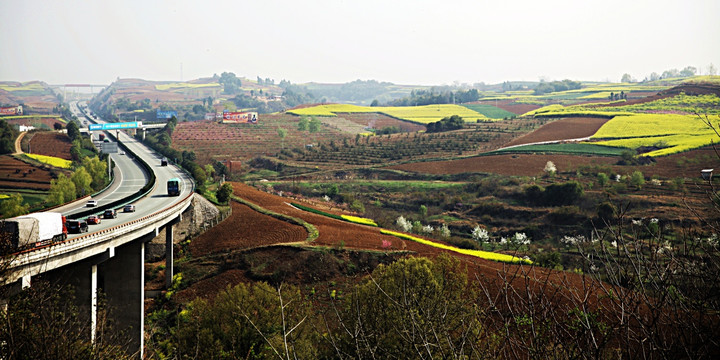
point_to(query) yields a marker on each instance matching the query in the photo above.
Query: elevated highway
(110, 258)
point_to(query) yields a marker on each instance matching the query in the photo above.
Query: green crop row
(569, 148)
(490, 111)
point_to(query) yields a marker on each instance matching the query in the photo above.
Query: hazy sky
(415, 42)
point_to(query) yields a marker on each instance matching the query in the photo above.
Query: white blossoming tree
(403, 224)
(550, 168)
(444, 231)
(480, 235)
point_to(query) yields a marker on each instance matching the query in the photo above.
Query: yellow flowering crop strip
(359, 220)
(57, 117)
(171, 86)
(477, 253)
(419, 114)
(4, 196)
(597, 95)
(51, 160)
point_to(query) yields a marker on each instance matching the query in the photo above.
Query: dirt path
(546, 142)
(18, 148)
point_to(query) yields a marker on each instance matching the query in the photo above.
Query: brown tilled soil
(17, 174)
(509, 164)
(246, 228)
(562, 129)
(380, 121)
(51, 144)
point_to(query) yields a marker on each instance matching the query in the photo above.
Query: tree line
(432, 96)
(555, 86)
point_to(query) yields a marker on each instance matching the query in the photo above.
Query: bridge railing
(42, 253)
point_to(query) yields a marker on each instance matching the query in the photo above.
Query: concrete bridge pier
(169, 256)
(122, 281)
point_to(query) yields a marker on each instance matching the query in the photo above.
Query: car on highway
(76, 226)
(163, 162)
(92, 203)
(110, 214)
(129, 208)
(93, 219)
(122, 153)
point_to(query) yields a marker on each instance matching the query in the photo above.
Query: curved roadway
(130, 177)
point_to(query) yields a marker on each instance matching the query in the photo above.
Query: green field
(32, 198)
(490, 111)
(570, 148)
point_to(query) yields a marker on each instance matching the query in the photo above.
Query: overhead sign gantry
(115, 126)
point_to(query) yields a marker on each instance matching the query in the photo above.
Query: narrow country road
(18, 148)
(545, 142)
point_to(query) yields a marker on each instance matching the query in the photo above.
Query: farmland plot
(16, 174)
(50, 144)
(419, 114)
(669, 133)
(215, 141)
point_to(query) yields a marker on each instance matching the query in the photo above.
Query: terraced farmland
(215, 141)
(16, 174)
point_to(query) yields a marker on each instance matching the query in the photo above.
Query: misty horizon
(410, 43)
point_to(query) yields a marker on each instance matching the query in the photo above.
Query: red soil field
(687, 164)
(51, 144)
(566, 288)
(17, 174)
(215, 141)
(517, 164)
(246, 228)
(563, 129)
(379, 121)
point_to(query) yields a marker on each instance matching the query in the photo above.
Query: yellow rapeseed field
(420, 114)
(51, 160)
(672, 132)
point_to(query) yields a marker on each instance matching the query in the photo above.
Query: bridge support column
(169, 256)
(124, 286)
(93, 302)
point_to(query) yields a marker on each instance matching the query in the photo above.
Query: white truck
(32, 230)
